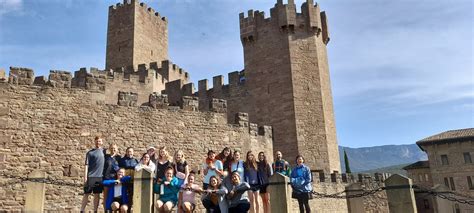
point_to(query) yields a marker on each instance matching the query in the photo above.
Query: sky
(400, 70)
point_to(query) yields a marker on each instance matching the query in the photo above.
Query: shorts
(118, 200)
(93, 185)
(255, 187)
(263, 188)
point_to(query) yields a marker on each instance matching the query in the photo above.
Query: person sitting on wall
(117, 197)
(281, 166)
(300, 180)
(236, 195)
(146, 164)
(168, 190)
(187, 195)
(212, 195)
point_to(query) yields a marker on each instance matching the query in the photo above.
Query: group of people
(230, 184)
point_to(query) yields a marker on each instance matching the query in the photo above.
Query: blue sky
(400, 70)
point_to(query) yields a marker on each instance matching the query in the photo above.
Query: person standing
(300, 180)
(251, 177)
(237, 164)
(226, 158)
(146, 164)
(151, 152)
(264, 173)
(128, 162)
(181, 167)
(111, 166)
(162, 164)
(211, 167)
(281, 166)
(94, 170)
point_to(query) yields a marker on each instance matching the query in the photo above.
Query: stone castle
(280, 101)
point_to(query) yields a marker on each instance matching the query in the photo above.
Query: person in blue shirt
(117, 197)
(168, 190)
(300, 179)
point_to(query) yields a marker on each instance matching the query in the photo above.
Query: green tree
(346, 162)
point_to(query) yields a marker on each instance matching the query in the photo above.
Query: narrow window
(444, 160)
(119, 48)
(427, 178)
(420, 176)
(446, 182)
(467, 157)
(451, 181)
(152, 53)
(469, 183)
(456, 207)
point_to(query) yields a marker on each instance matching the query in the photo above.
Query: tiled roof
(451, 135)
(418, 165)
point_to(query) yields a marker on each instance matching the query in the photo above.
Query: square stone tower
(136, 35)
(287, 76)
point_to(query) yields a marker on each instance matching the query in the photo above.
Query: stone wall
(51, 129)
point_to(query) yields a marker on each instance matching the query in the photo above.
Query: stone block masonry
(51, 129)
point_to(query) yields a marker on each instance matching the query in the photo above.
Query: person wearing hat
(151, 152)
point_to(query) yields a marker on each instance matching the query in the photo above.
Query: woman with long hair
(300, 180)
(251, 177)
(264, 173)
(162, 164)
(211, 167)
(212, 195)
(181, 167)
(146, 164)
(237, 164)
(225, 157)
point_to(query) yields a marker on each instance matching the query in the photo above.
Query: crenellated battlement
(286, 18)
(127, 4)
(236, 80)
(170, 71)
(320, 176)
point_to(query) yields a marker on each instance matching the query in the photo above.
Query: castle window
(420, 176)
(427, 178)
(119, 48)
(469, 183)
(444, 160)
(467, 157)
(446, 182)
(451, 181)
(152, 53)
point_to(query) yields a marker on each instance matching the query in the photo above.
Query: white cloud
(7, 6)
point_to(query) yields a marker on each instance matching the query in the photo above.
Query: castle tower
(136, 35)
(287, 75)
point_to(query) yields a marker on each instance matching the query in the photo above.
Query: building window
(426, 203)
(420, 176)
(152, 53)
(446, 182)
(456, 208)
(451, 181)
(469, 183)
(444, 160)
(427, 178)
(467, 157)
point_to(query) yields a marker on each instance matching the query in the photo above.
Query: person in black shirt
(162, 164)
(111, 165)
